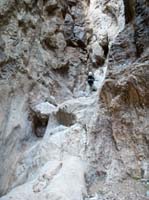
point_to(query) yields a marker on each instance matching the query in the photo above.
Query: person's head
(90, 73)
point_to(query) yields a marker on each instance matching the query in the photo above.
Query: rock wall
(125, 93)
(58, 140)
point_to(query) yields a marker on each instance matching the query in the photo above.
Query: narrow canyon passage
(58, 139)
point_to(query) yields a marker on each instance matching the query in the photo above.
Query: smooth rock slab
(65, 181)
(44, 109)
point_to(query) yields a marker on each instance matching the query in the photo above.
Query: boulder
(80, 35)
(39, 117)
(44, 109)
(96, 54)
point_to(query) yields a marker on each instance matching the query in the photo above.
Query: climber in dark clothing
(91, 80)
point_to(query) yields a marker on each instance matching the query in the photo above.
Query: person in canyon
(90, 80)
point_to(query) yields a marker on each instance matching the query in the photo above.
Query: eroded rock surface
(58, 140)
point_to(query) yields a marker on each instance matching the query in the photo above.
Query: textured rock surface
(59, 141)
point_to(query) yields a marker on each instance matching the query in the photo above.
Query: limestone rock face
(58, 139)
(126, 97)
(97, 54)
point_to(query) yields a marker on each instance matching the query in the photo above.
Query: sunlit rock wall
(57, 140)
